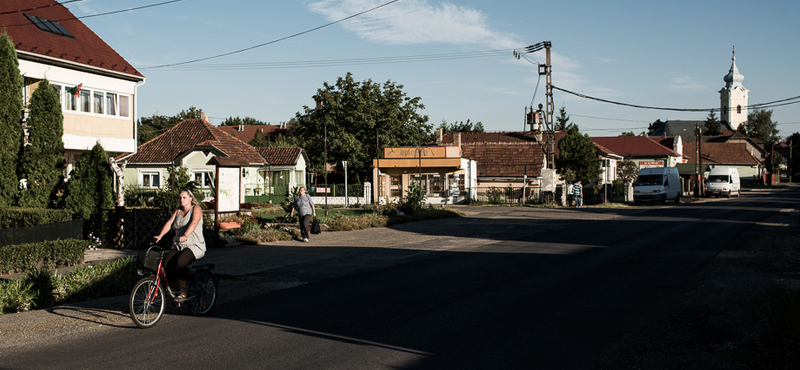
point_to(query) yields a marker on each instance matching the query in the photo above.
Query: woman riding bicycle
(189, 243)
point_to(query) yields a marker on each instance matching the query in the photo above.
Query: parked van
(723, 181)
(658, 184)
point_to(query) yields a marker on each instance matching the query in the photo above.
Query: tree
(247, 121)
(794, 158)
(354, 113)
(627, 171)
(90, 188)
(42, 161)
(10, 115)
(461, 127)
(562, 120)
(629, 133)
(577, 153)
(150, 127)
(654, 126)
(712, 125)
(759, 125)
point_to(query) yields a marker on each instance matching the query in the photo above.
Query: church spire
(733, 78)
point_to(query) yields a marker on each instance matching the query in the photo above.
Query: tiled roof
(280, 156)
(490, 137)
(85, 48)
(720, 153)
(247, 133)
(192, 134)
(505, 159)
(634, 146)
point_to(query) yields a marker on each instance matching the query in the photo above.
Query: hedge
(48, 254)
(13, 217)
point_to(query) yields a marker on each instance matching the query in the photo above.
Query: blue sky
(666, 54)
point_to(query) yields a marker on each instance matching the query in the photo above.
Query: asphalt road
(506, 288)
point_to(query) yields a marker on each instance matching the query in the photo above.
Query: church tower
(733, 97)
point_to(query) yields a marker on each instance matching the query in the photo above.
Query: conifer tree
(577, 153)
(10, 116)
(43, 159)
(90, 188)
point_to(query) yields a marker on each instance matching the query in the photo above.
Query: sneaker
(305, 240)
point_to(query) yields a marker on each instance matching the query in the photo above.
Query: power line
(273, 41)
(39, 7)
(339, 62)
(776, 103)
(93, 15)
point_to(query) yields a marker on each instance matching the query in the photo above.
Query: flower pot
(229, 225)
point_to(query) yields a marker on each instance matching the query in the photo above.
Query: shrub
(270, 234)
(48, 254)
(13, 217)
(16, 296)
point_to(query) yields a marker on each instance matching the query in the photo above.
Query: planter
(229, 225)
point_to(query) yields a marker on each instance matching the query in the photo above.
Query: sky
(266, 59)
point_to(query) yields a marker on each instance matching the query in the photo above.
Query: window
(151, 180)
(396, 186)
(85, 101)
(111, 104)
(49, 26)
(97, 102)
(123, 106)
(204, 179)
(738, 109)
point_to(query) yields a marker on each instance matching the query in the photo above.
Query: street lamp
(320, 106)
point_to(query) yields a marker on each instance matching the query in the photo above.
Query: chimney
(457, 139)
(439, 136)
(204, 117)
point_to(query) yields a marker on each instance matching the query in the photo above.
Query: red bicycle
(148, 301)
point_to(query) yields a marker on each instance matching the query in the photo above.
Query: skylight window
(49, 26)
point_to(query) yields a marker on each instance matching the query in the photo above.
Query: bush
(48, 254)
(42, 289)
(270, 234)
(14, 217)
(16, 296)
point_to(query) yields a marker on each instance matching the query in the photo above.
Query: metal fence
(131, 228)
(507, 194)
(336, 190)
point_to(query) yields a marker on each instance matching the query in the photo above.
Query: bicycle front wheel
(147, 303)
(202, 292)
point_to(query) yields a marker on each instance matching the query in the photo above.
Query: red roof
(280, 156)
(188, 135)
(634, 146)
(720, 153)
(247, 133)
(84, 48)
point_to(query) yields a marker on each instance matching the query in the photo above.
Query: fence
(131, 228)
(506, 195)
(39, 233)
(336, 190)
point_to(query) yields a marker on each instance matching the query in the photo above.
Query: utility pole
(545, 70)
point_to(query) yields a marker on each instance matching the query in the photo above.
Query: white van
(723, 181)
(658, 184)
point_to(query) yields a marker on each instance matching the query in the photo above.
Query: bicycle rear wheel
(202, 292)
(147, 303)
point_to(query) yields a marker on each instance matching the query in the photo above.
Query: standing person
(577, 193)
(189, 243)
(569, 195)
(305, 211)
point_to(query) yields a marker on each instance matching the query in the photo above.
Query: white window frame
(205, 178)
(149, 175)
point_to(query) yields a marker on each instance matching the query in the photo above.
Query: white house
(98, 86)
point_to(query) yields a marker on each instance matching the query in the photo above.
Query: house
(725, 154)
(642, 150)
(191, 143)
(286, 168)
(98, 87)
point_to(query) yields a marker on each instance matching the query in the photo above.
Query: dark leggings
(177, 264)
(305, 226)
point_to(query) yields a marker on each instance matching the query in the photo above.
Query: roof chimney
(457, 139)
(439, 136)
(204, 117)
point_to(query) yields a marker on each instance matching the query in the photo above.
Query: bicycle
(148, 302)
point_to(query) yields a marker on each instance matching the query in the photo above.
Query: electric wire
(273, 41)
(98, 14)
(776, 103)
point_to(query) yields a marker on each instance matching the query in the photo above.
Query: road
(504, 288)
